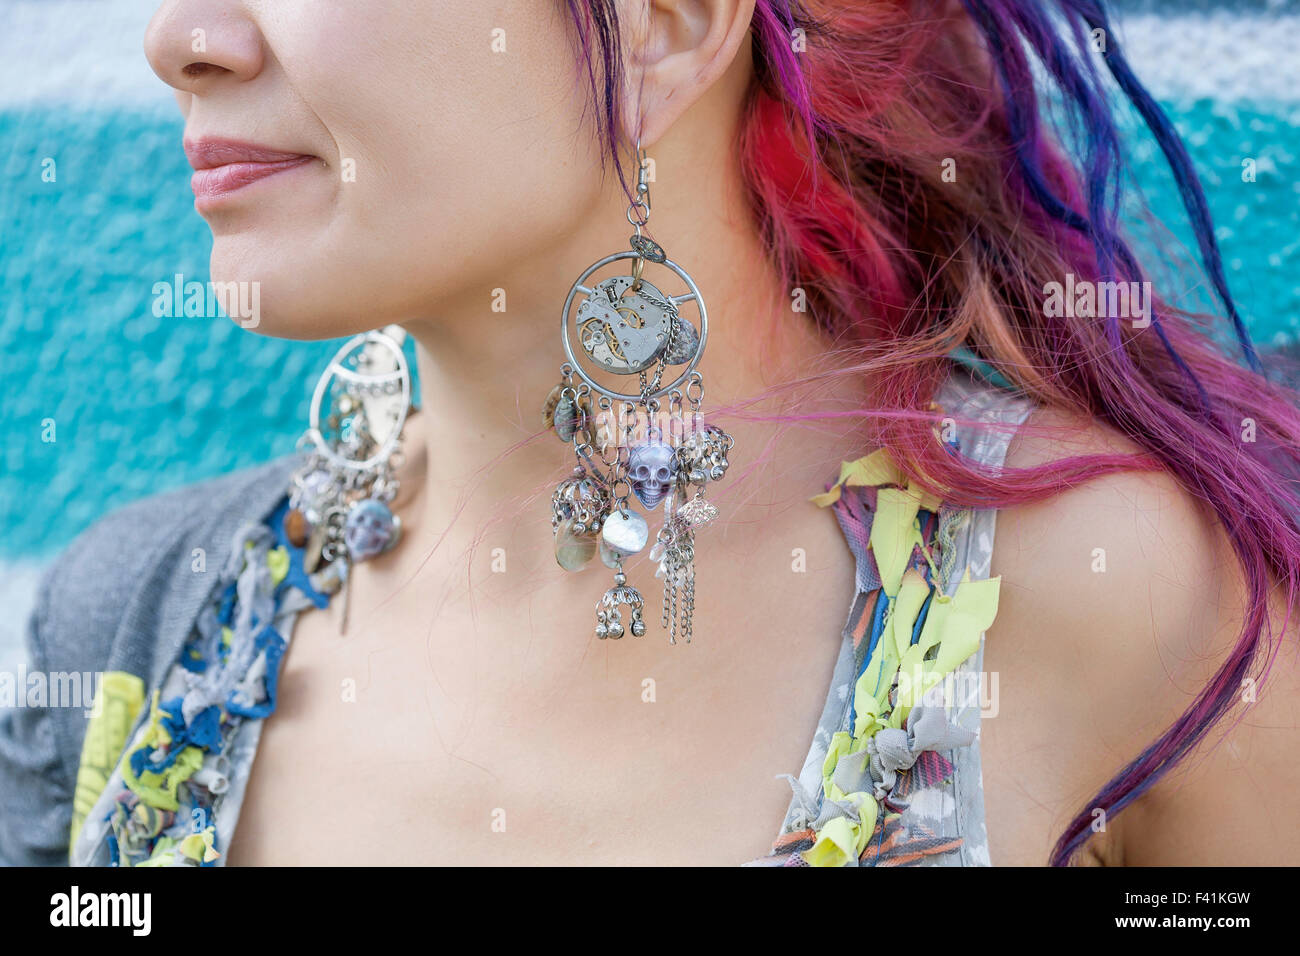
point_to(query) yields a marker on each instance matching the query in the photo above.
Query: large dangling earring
(340, 501)
(624, 325)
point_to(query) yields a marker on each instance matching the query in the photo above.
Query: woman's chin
(295, 323)
(283, 302)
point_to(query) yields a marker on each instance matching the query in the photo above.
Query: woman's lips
(223, 166)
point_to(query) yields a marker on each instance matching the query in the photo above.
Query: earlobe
(677, 51)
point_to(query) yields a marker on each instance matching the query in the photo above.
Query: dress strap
(892, 776)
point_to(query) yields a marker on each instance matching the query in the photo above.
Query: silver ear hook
(642, 178)
(638, 211)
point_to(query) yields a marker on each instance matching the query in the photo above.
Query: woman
(907, 274)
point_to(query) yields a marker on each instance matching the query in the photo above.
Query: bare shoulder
(1120, 599)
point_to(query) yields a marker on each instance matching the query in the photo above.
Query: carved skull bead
(370, 529)
(652, 466)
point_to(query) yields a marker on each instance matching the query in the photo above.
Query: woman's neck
(488, 359)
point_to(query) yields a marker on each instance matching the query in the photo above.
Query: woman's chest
(405, 746)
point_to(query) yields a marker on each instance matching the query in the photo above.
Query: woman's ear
(675, 50)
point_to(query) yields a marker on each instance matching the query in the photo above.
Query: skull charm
(651, 470)
(371, 529)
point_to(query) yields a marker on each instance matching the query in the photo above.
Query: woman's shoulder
(120, 576)
(1132, 545)
(1121, 596)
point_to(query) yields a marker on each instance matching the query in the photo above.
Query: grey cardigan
(122, 597)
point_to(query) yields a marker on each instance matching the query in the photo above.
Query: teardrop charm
(573, 551)
(608, 556)
(686, 342)
(297, 528)
(567, 414)
(552, 401)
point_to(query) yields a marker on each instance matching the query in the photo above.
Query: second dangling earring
(651, 444)
(341, 496)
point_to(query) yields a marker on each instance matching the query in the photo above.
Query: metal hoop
(337, 369)
(693, 293)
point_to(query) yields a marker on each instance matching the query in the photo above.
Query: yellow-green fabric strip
(118, 703)
(893, 536)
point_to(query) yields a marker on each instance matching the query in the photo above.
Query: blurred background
(95, 208)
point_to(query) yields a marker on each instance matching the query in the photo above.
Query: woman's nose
(195, 45)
